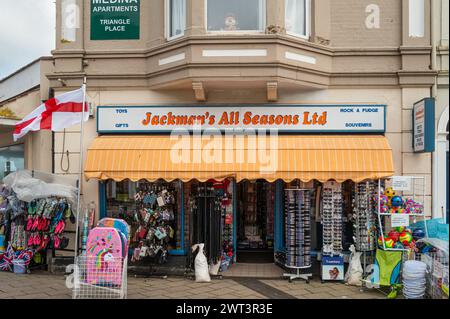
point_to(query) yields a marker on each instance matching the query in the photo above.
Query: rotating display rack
(298, 232)
(364, 217)
(332, 219)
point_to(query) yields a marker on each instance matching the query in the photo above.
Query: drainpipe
(434, 12)
(434, 177)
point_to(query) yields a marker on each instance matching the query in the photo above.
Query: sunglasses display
(332, 221)
(298, 228)
(364, 216)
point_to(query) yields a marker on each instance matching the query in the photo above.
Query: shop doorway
(255, 221)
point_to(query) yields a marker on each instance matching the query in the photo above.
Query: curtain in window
(296, 16)
(177, 17)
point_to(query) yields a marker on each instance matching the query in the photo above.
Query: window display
(235, 15)
(153, 212)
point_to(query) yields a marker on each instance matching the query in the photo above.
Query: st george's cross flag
(56, 114)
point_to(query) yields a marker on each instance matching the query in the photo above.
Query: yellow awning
(303, 157)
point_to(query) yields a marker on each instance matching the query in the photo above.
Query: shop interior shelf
(389, 214)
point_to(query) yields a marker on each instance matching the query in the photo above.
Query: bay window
(175, 18)
(235, 15)
(297, 18)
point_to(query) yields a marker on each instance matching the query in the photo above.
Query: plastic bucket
(19, 267)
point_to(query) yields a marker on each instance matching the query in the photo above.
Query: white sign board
(399, 220)
(419, 126)
(402, 183)
(285, 118)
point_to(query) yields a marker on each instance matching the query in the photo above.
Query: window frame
(307, 34)
(168, 21)
(263, 19)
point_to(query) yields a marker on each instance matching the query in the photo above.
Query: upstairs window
(175, 18)
(298, 18)
(235, 15)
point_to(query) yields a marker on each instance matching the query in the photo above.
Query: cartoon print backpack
(118, 224)
(104, 253)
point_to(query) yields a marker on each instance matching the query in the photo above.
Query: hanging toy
(397, 201)
(406, 238)
(389, 193)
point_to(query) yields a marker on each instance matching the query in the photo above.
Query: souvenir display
(46, 222)
(298, 228)
(255, 230)
(154, 221)
(212, 221)
(364, 216)
(27, 230)
(332, 219)
(396, 213)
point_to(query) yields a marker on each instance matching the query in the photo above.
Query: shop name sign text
(284, 118)
(115, 19)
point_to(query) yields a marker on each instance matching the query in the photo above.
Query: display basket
(437, 272)
(102, 277)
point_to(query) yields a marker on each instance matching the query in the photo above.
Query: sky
(27, 32)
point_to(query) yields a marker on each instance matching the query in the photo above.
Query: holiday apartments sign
(285, 118)
(115, 19)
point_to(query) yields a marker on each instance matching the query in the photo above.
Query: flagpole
(80, 176)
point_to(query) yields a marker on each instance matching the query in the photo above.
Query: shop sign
(285, 118)
(401, 183)
(424, 126)
(115, 19)
(399, 220)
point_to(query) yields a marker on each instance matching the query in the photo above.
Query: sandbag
(201, 265)
(355, 270)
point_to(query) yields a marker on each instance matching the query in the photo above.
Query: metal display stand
(418, 192)
(298, 232)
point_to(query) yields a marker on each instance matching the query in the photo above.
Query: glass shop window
(235, 15)
(153, 210)
(175, 18)
(298, 18)
(11, 159)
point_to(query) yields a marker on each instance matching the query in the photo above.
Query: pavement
(42, 285)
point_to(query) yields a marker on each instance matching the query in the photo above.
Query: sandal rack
(298, 232)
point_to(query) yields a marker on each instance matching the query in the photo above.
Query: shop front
(254, 183)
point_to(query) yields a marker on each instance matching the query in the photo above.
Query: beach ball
(397, 201)
(389, 192)
(406, 238)
(418, 234)
(417, 208)
(389, 242)
(393, 210)
(395, 235)
(400, 229)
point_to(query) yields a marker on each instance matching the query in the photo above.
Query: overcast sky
(27, 32)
